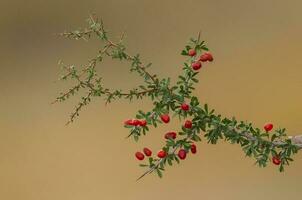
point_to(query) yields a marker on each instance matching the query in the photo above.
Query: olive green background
(256, 77)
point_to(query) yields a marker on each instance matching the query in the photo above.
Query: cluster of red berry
(268, 127)
(196, 65)
(182, 153)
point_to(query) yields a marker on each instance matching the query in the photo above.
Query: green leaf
(159, 173)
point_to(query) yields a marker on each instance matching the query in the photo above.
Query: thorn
(55, 101)
(128, 136)
(198, 38)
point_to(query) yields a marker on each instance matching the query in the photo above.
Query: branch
(98, 28)
(178, 99)
(91, 81)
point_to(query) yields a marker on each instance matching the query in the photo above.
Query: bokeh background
(256, 77)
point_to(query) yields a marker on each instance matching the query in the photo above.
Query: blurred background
(256, 77)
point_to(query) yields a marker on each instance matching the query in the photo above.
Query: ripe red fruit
(171, 135)
(210, 57)
(165, 118)
(188, 124)
(129, 122)
(192, 52)
(203, 58)
(185, 107)
(182, 154)
(276, 160)
(136, 122)
(147, 151)
(268, 127)
(143, 123)
(196, 65)
(139, 155)
(193, 148)
(206, 57)
(161, 154)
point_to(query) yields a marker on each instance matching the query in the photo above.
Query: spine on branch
(177, 100)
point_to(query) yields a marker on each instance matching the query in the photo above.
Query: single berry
(192, 52)
(170, 135)
(143, 123)
(276, 160)
(147, 151)
(203, 58)
(136, 122)
(206, 57)
(161, 154)
(185, 107)
(210, 57)
(188, 124)
(139, 155)
(165, 118)
(196, 65)
(182, 154)
(193, 148)
(268, 127)
(129, 122)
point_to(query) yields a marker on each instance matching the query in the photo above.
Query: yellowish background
(256, 76)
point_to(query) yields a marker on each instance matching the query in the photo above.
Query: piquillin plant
(199, 121)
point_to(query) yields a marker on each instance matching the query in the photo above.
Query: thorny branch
(91, 80)
(167, 99)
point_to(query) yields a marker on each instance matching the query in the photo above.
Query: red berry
(136, 122)
(188, 124)
(147, 151)
(210, 57)
(139, 156)
(171, 135)
(276, 160)
(165, 118)
(161, 154)
(185, 107)
(192, 52)
(203, 58)
(193, 148)
(268, 127)
(182, 154)
(143, 123)
(196, 65)
(129, 122)
(206, 57)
